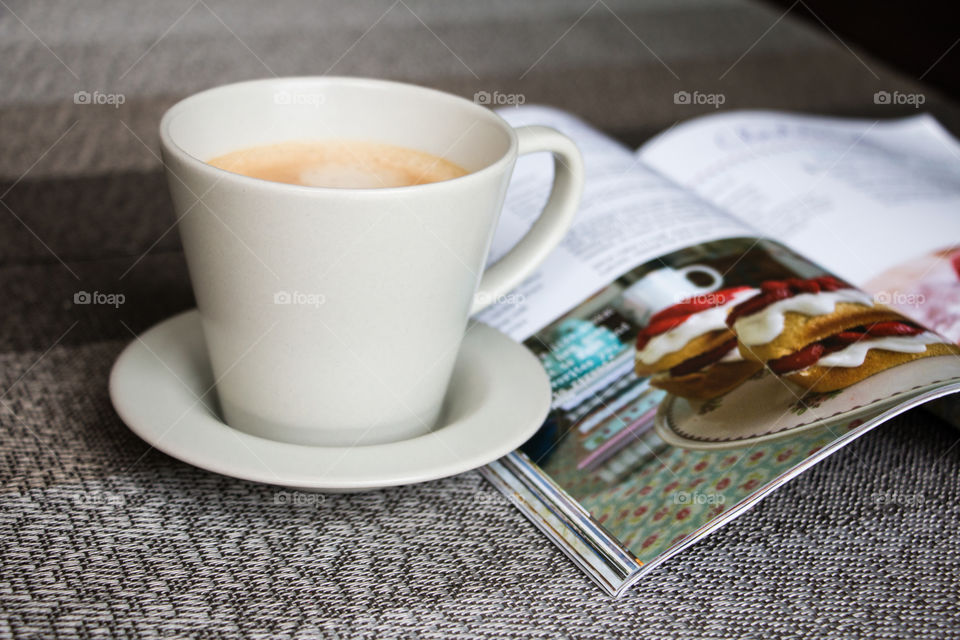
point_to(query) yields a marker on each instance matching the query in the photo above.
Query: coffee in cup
(345, 164)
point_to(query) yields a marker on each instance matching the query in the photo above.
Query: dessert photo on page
(695, 383)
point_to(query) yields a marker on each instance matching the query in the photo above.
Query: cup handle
(715, 275)
(554, 220)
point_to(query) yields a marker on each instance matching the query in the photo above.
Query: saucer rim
(524, 364)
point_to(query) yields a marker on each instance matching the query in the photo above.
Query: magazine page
(661, 445)
(683, 389)
(874, 201)
(628, 215)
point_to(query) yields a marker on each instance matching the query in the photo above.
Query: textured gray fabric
(102, 537)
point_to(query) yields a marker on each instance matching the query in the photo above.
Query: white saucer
(498, 398)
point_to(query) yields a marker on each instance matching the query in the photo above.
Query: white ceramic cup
(666, 287)
(333, 317)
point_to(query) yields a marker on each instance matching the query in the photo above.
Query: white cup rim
(170, 146)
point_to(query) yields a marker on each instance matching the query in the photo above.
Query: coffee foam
(350, 164)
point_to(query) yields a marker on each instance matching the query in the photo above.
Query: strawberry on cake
(688, 350)
(824, 335)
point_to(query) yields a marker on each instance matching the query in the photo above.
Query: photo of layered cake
(824, 335)
(688, 350)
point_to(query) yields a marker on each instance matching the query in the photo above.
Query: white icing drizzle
(733, 355)
(696, 325)
(765, 325)
(855, 354)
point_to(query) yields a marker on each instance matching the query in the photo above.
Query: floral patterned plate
(766, 407)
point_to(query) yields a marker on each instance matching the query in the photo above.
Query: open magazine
(737, 299)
